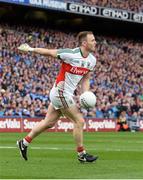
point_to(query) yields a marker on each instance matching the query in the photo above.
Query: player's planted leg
(76, 117)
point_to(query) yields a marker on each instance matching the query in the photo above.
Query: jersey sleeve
(65, 54)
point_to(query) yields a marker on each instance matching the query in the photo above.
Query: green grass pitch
(53, 156)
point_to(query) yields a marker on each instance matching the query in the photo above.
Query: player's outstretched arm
(47, 52)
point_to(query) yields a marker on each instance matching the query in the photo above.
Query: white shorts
(59, 100)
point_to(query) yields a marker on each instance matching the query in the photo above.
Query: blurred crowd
(26, 78)
(130, 5)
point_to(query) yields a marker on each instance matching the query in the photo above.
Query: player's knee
(79, 123)
(82, 122)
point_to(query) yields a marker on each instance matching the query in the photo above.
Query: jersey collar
(82, 53)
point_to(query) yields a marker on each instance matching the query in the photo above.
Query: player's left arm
(85, 82)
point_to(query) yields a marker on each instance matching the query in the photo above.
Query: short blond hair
(82, 36)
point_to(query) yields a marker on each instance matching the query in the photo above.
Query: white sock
(82, 152)
(25, 142)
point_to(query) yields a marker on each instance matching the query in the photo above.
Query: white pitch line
(71, 149)
(39, 148)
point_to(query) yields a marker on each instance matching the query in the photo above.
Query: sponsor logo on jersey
(78, 71)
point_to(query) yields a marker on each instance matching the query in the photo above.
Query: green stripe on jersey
(73, 51)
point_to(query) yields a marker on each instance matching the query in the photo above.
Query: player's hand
(25, 47)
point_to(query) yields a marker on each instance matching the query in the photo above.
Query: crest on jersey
(82, 64)
(88, 65)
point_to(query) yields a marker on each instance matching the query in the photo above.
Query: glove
(25, 47)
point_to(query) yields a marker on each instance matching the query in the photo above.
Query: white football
(88, 99)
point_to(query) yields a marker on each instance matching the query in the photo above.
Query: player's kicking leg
(49, 121)
(76, 117)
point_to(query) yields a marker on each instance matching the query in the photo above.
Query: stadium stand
(25, 79)
(134, 5)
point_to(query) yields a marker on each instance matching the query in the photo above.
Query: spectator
(122, 124)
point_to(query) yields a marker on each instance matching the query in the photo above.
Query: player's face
(90, 43)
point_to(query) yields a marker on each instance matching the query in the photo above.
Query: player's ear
(84, 43)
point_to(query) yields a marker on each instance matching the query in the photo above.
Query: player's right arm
(42, 51)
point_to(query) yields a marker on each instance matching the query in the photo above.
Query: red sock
(28, 139)
(80, 149)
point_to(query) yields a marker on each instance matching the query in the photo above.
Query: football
(87, 100)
